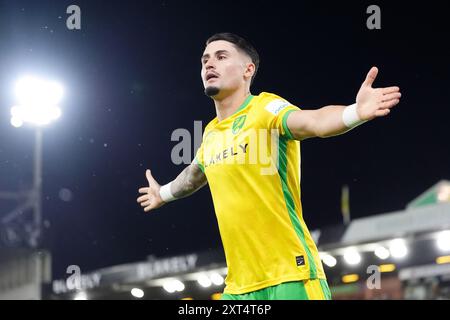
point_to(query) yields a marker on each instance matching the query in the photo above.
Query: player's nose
(210, 64)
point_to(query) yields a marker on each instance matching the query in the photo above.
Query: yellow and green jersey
(252, 164)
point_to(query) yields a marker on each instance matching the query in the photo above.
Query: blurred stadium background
(408, 249)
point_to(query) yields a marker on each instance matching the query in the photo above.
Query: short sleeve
(275, 111)
(199, 158)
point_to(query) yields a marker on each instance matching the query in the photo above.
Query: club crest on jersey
(238, 124)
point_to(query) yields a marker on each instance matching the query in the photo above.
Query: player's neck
(229, 105)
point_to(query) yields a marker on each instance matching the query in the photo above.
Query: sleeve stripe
(287, 132)
(199, 165)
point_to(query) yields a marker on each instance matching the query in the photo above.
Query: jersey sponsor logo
(238, 124)
(228, 152)
(254, 146)
(276, 106)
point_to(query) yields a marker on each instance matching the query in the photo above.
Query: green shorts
(314, 289)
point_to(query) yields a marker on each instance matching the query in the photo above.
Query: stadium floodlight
(169, 287)
(137, 293)
(328, 259)
(204, 281)
(80, 296)
(398, 248)
(382, 253)
(178, 285)
(352, 256)
(443, 240)
(173, 285)
(37, 104)
(38, 101)
(217, 279)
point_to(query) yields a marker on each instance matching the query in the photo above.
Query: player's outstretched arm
(188, 181)
(334, 120)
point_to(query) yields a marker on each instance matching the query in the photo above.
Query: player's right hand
(150, 199)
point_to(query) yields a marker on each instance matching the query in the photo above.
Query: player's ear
(249, 70)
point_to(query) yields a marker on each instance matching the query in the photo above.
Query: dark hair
(241, 44)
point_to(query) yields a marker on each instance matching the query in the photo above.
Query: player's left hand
(375, 102)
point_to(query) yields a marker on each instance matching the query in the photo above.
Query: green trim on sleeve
(287, 132)
(199, 165)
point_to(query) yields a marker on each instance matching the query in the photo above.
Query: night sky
(132, 76)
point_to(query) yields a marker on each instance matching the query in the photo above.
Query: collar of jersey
(242, 107)
(245, 104)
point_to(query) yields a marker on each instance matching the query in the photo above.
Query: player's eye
(221, 57)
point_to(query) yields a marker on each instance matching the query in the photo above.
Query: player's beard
(212, 91)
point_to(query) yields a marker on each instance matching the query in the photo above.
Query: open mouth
(211, 76)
